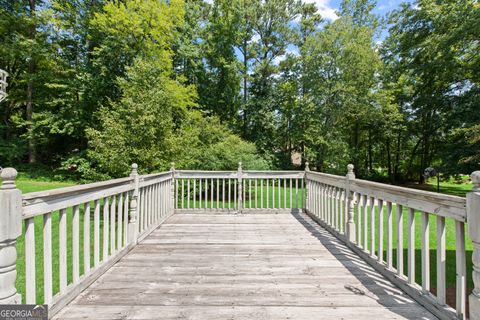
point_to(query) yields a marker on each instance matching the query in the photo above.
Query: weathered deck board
(258, 266)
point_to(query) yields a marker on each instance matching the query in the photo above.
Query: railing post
(10, 230)
(350, 228)
(172, 187)
(306, 205)
(473, 222)
(132, 221)
(240, 187)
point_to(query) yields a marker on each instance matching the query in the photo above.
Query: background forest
(95, 85)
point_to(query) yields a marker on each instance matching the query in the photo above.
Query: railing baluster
(183, 194)
(211, 193)
(460, 266)
(338, 213)
(261, 193)
(30, 261)
(441, 260)
(76, 244)
(250, 193)
(96, 234)
(62, 238)
(341, 201)
(120, 221)
(425, 252)
(126, 206)
(112, 223)
(290, 190)
(359, 218)
(194, 193)
(296, 193)
(206, 194)
(223, 193)
(256, 193)
(273, 193)
(188, 194)
(176, 193)
(365, 222)
(268, 193)
(218, 193)
(380, 230)
(86, 238)
(200, 193)
(411, 246)
(399, 214)
(279, 193)
(316, 197)
(105, 228)
(372, 226)
(329, 205)
(47, 258)
(389, 236)
(229, 191)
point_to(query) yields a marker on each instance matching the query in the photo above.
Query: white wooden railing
(238, 190)
(124, 211)
(368, 216)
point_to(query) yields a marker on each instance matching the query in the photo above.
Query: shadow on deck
(245, 266)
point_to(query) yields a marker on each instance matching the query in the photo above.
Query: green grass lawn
(31, 185)
(270, 198)
(454, 186)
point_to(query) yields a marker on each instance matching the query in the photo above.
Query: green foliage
(140, 127)
(97, 85)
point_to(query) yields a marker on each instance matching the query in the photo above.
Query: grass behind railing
(55, 251)
(270, 202)
(450, 246)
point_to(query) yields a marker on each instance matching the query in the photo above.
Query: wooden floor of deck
(251, 266)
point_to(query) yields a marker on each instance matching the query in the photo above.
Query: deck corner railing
(473, 218)
(72, 235)
(361, 213)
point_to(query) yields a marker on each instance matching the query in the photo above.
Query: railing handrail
(185, 174)
(435, 203)
(445, 205)
(67, 191)
(147, 177)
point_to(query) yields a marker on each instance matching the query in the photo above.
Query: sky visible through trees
(96, 85)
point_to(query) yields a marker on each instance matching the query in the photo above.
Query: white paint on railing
(369, 208)
(132, 207)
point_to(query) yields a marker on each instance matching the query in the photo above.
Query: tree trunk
(245, 83)
(389, 160)
(370, 151)
(396, 176)
(30, 88)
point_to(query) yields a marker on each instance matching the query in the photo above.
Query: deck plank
(252, 266)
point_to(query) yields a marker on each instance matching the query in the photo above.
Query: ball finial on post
(307, 166)
(172, 166)
(240, 166)
(134, 169)
(8, 176)
(350, 173)
(475, 176)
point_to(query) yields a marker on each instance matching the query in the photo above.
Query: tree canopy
(97, 85)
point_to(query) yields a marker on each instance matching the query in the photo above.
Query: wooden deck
(251, 266)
